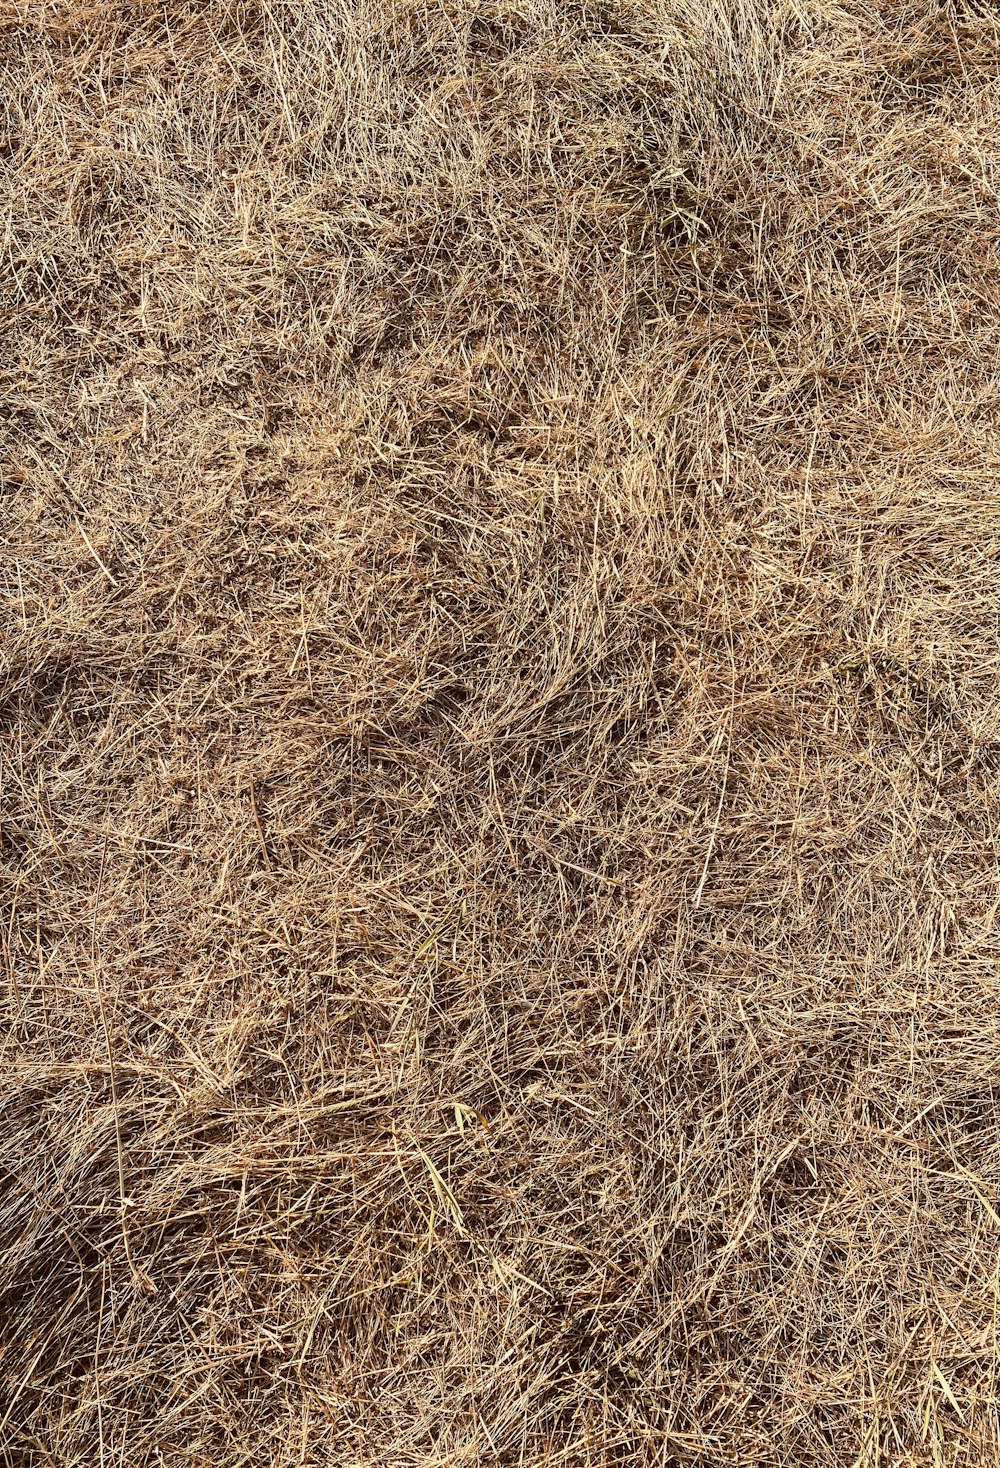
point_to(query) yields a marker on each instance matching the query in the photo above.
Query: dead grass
(499, 745)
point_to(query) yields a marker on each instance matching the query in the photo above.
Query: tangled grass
(499, 733)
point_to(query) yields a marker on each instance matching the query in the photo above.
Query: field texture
(498, 733)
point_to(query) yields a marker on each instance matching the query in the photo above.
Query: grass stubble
(499, 733)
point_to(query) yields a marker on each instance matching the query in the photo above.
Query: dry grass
(499, 733)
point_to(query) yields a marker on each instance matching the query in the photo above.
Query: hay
(499, 719)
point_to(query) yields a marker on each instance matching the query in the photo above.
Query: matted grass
(499, 734)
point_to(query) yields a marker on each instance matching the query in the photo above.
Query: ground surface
(498, 714)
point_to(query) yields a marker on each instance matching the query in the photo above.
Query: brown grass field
(499, 733)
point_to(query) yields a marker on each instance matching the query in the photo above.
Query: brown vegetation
(498, 722)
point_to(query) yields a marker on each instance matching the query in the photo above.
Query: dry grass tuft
(499, 733)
